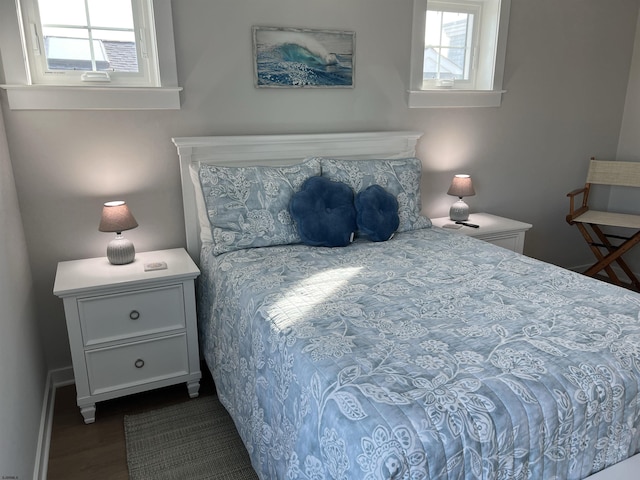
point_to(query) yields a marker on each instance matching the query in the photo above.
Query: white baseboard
(55, 378)
(625, 470)
(579, 268)
(618, 271)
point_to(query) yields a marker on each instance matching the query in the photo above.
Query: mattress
(429, 356)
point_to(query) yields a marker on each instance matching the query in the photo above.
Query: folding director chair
(613, 174)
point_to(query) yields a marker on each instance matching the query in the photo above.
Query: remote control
(467, 224)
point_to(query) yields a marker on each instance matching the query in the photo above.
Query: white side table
(130, 330)
(500, 231)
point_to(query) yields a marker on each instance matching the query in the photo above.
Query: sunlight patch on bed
(296, 303)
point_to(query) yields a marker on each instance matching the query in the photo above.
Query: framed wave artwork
(300, 58)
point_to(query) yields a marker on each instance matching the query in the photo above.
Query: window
(90, 41)
(450, 42)
(458, 52)
(91, 46)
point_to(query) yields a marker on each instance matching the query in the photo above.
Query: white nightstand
(130, 330)
(500, 231)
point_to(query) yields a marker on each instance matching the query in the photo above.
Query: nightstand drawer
(126, 315)
(137, 363)
(510, 242)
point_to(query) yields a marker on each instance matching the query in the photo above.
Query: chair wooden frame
(611, 173)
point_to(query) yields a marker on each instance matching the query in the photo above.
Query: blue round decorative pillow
(324, 213)
(377, 213)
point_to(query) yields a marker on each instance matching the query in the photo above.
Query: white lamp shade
(116, 217)
(461, 186)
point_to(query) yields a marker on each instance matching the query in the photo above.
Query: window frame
(146, 52)
(487, 91)
(24, 94)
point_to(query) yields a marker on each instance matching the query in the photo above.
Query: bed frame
(275, 150)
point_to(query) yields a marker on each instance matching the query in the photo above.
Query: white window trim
(56, 97)
(22, 95)
(445, 98)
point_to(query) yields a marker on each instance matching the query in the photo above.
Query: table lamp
(461, 186)
(117, 218)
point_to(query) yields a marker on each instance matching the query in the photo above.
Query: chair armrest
(577, 191)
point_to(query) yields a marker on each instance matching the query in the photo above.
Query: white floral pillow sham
(249, 206)
(399, 177)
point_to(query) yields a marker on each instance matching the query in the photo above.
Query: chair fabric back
(605, 172)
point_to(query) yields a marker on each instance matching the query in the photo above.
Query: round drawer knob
(139, 363)
(134, 315)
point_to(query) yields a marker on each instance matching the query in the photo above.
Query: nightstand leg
(193, 388)
(89, 413)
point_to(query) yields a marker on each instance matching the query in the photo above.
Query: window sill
(454, 98)
(49, 97)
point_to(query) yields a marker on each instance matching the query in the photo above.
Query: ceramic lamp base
(459, 211)
(120, 251)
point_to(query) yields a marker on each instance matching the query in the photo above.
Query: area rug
(192, 440)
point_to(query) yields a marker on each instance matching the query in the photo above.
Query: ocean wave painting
(286, 57)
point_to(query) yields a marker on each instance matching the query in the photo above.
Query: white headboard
(275, 150)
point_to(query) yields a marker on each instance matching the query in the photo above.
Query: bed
(430, 355)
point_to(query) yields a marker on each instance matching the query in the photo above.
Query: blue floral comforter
(432, 355)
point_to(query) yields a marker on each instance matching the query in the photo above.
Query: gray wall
(22, 367)
(628, 199)
(629, 145)
(566, 74)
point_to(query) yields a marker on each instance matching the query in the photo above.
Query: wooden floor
(97, 451)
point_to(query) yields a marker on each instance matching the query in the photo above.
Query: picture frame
(303, 58)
